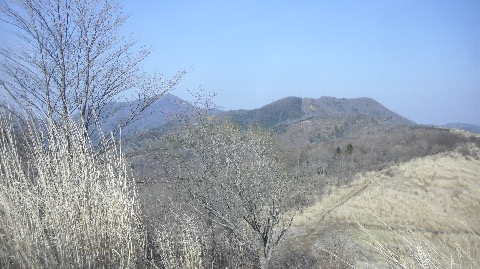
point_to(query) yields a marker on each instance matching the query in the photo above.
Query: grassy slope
(438, 196)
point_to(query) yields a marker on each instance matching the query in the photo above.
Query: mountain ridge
(275, 115)
(464, 126)
(294, 109)
(165, 109)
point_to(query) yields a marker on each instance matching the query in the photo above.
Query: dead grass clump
(180, 245)
(186, 239)
(412, 248)
(334, 248)
(64, 205)
(293, 257)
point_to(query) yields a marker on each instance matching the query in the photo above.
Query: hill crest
(277, 115)
(294, 109)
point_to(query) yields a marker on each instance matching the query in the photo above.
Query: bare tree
(238, 178)
(70, 59)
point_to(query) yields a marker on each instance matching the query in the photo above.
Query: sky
(420, 59)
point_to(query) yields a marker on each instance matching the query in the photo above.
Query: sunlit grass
(62, 205)
(411, 247)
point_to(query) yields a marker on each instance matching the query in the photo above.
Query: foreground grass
(64, 206)
(413, 248)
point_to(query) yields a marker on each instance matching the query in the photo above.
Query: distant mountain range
(335, 115)
(164, 110)
(464, 126)
(314, 134)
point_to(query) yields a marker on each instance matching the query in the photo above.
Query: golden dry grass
(429, 205)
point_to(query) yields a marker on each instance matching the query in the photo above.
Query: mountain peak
(327, 106)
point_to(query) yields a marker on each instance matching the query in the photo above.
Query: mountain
(164, 110)
(464, 126)
(301, 123)
(316, 133)
(328, 107)
(281, 111)
(294, 109)
(277, 115)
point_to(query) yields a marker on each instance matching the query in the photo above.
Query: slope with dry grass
(421, 213)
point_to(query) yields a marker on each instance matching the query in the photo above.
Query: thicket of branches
(237, 178)
(67, 59)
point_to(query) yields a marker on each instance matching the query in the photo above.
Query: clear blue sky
(420, 58)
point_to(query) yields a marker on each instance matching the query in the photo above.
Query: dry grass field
(418, 214)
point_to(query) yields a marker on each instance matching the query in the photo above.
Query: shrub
(181, 245)
(294, 257)
(63, 205)
(238, 178)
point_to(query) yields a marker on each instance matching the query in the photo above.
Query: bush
(293, 258)
(181, 246)
(64, 205)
